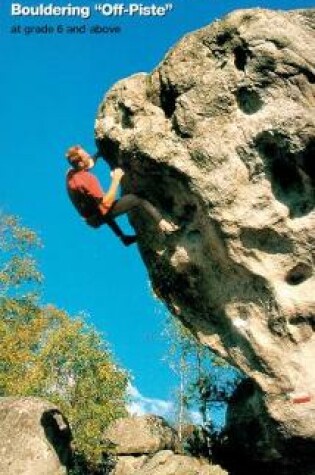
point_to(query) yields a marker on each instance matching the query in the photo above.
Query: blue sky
(51, 86)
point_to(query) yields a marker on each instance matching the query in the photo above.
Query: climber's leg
(130, 202)
(125, 239)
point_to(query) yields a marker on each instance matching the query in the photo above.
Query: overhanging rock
(221, 138)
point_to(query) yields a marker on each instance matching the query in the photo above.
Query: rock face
(221, 138)
(34, 438)
(146, 445)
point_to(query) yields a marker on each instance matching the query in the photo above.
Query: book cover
(59, 61)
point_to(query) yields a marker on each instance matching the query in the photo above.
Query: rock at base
(34, 438)
(140, 435)
(139, 443)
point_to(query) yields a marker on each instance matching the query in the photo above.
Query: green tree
(46, 353)
(205, 380)
(17, 266)
(178, 359)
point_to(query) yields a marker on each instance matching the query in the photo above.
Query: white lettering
(17, 9)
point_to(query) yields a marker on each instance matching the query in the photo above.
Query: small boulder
(140, 435)
(165, 462)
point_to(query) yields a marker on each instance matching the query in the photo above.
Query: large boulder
(34, 438)
(140, 435)
(221, 138)
(147, 445)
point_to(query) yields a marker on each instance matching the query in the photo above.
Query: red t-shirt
(85, 193)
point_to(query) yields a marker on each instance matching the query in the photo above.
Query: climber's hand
(117, 174)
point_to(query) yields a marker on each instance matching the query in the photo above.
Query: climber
(98, 208)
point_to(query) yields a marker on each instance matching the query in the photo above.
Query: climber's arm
(110, 195)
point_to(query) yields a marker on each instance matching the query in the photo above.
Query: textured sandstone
(128, 464)
(140, 435)
(221, 137)
(165, 462)
(34, 438)
(145, 445)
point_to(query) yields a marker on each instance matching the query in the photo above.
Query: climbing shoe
(128, 240)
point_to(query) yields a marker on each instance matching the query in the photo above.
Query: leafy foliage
(46, 353)
(206, 382)
(17, 266)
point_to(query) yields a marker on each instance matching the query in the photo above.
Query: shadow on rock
(58, 433)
